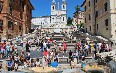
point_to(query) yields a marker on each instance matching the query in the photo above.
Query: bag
(12, 48)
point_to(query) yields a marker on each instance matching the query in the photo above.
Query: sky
(43, 7)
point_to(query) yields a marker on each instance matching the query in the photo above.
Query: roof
(31, 5)
(79, 12)
(40, 16)
(83, 3)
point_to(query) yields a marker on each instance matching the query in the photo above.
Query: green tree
(69, 21)
(82, 25)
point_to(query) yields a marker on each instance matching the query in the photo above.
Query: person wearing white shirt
(45, 45)
(99, 45)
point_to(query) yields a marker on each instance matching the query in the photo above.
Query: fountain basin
(45, 70)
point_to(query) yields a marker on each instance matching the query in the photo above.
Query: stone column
(24, 20)
(5, 20)
(5, 28)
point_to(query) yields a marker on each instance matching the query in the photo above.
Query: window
(85, 8)
(85, 20)
(50, 19)
(89, 17)
(1, 25)
(106, 22)
(10, 25)
(63, 7)
(27, 7)
(89, 3)
(0, 38)
(22, 4)
(63, 18)
(100, 11)
(53, 7)
(96, 14)
(10, 10)
(20, 28)
(115, 32)
(105, 6)
(21, 15)
(86, 30)
(30, 11)
(90, 28)
(106, 28)
(96, 1)
(97, 27)
(1, 7)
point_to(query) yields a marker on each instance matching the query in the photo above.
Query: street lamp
(41, 31)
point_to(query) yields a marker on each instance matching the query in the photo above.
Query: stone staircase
(83, 36)
(59, 38)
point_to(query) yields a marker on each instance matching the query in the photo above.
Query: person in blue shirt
(8, 47)
(55, 63)
(83, 64)
(10, 65)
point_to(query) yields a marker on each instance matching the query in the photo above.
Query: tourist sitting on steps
(72, 64)
(55, 63)
(37, 63)
(10, 65)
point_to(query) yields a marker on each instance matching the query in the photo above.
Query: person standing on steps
(41, 46)
(70, 55)
(60, 47)
(64, 48)
(27, 46)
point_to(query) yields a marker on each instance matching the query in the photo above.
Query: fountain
(95, 71)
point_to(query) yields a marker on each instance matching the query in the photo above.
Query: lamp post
(41, 31)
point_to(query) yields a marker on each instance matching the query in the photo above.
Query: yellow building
(100, 17)
(78, 18)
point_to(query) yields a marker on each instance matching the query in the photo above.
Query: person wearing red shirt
(65, 48)
(50, 40)
(45, 53)
(78, 46)
(3, 48)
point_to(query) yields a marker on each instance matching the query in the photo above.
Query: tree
(77, 8)
(82, 25)
(69, 21)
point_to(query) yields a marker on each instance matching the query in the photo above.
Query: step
(56, 35)
(61, 41)
(69, 47)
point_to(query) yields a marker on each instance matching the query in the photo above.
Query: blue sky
(43, 7)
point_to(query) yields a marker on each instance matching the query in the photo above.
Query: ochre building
(78, 18)
(15, 18)
(100, 17)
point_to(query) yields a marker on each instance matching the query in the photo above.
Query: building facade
(58, 16)
(15, 18)
(78, 18)
(100, 17)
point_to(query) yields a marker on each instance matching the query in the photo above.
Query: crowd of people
(50, 57)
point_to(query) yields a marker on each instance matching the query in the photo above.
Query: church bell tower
(63, 4)
(53, 7)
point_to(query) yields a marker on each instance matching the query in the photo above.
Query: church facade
(58, 15)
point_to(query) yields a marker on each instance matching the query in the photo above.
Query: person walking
(27, 47)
